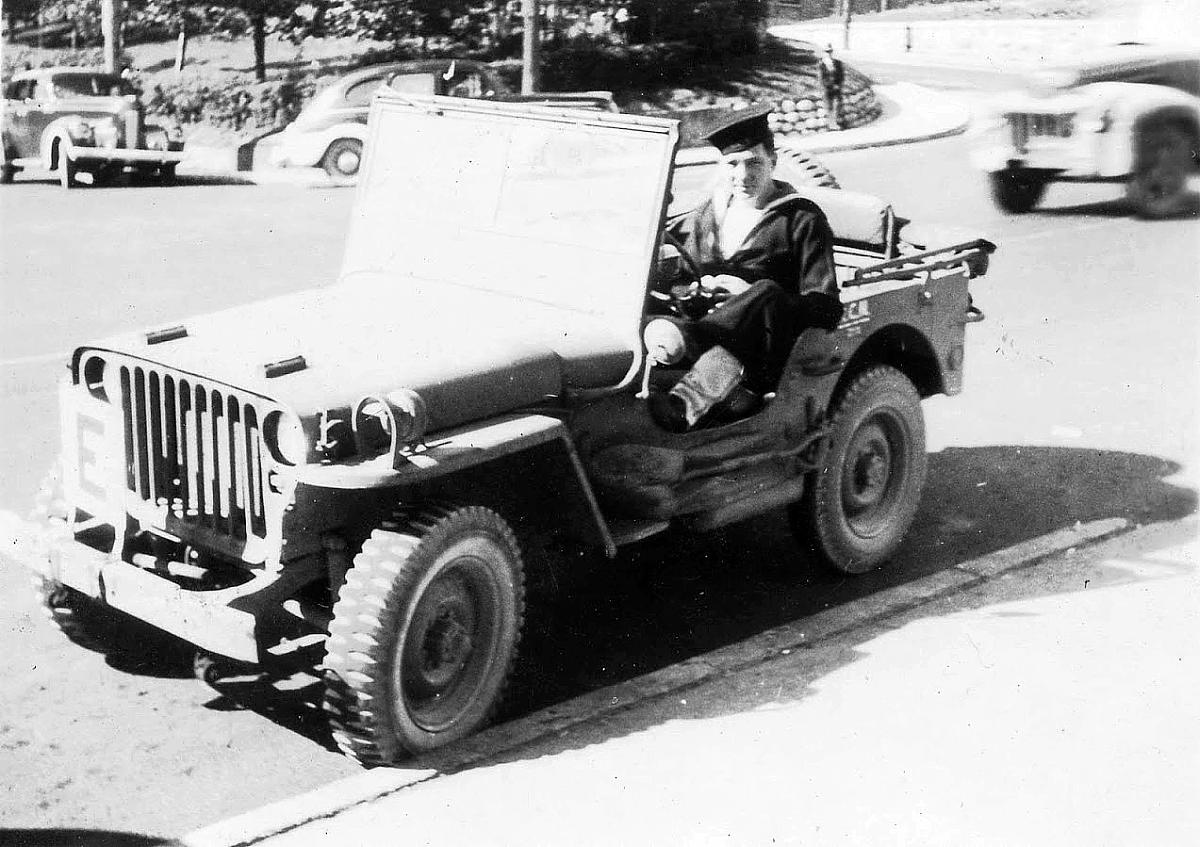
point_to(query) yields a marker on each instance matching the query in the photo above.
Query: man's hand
(727, 283)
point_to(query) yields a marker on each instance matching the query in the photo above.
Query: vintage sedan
(329, 132)
(83, 122)
(1129, 114)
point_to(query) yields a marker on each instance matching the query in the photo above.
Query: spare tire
(800, 169)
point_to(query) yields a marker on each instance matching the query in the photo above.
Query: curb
(337, 797)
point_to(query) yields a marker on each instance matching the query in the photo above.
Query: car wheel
(1162, 161)
(856, 510)
(424, 632)
(166, 175)
(7, 174)
(343, 159)
(1017, 190)
(800, 169)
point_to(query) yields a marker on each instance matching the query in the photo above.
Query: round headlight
(285, 438)
(92, 374)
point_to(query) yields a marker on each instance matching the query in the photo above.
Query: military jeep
(374, 460)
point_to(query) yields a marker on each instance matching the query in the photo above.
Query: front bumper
(223, 621)
(126, 155)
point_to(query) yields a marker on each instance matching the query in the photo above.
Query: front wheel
(856, 510)
(1017, 190)
(342, 160)
(424, 632)
(1163, 159)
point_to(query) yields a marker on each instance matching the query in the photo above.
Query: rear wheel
(857, 509)
(424, 632)
(1017, 190)
(343, 159)
(7, 173)
(1163, 159)
(166, 175)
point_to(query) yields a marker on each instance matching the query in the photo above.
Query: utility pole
(110, 28)
(529, 57)
(848, 10)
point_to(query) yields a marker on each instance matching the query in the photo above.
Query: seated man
(770, 252)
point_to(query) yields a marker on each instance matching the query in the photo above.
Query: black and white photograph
(615, 422)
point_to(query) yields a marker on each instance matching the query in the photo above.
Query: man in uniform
(767, 250)
(832, 75)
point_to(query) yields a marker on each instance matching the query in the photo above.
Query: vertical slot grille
(1027, 126)
(195, 450)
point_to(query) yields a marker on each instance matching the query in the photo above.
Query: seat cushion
(856, 218)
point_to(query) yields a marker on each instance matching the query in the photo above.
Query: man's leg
(759, 327)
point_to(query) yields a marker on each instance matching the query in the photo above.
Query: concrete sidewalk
(1002, 45)
(978, 705)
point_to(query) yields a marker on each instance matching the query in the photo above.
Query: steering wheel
(689, 300)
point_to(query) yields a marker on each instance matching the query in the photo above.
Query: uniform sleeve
(820, 305)
(812, 240)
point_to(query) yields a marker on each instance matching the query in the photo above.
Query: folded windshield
(513, 200)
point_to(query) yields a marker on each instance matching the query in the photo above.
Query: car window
(91, 85)
(361, 93)
(1184, 75)
(465, 85)
(18, 90)
(413, 83)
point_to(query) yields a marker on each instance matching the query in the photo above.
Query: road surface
(1080, 404)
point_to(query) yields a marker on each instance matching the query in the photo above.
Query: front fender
(1128, 107)
(305, 149)
(60, 130)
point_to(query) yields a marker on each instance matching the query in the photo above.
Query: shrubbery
(590, 65)
(232, 104)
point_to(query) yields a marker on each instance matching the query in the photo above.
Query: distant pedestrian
(621, 24)
(832, 75)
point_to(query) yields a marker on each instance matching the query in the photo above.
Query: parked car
(330, 130)
(76, 121)
(1129, 114)
(374, 462)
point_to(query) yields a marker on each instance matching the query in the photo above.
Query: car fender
(58, 129)
(306, 148)
(1116, 112)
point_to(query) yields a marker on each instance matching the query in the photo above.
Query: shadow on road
(1116, 208)
(125, 183)
(80, 838)
(677, 596)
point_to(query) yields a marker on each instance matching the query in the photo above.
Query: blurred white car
(1128, 114)
(329, 132)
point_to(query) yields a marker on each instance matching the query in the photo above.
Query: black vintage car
(81, 122)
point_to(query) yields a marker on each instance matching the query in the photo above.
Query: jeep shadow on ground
(128, 181)
(59, 837)
(1117, 207)
(676, 596)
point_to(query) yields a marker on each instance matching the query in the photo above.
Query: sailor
(766, 249)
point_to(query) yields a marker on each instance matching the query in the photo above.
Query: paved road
(1080, 404)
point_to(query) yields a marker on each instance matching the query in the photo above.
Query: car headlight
(106, 134)
(156, 138)
(285, 438)
(82, 132)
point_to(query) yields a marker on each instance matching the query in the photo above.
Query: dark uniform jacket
(791, 244)
(788, 259)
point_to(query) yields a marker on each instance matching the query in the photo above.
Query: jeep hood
(469, 354)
